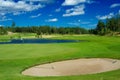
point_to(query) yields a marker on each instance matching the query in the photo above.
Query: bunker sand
(74, 67)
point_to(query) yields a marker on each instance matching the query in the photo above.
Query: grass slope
(15, 58)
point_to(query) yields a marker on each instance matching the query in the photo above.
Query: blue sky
(84, 13)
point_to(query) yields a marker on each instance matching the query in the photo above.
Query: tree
(13, 26)
(2, 30)
(39, 33)
(53, 30)
(118, 22)
(61, 30)
(47, 29)
(112, 26)
(100, 28)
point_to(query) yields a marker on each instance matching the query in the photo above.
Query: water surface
(25, 41)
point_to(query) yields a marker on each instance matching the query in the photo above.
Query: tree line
(109, 26)
(45, 30)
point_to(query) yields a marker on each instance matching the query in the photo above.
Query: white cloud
(4, 18)
(9, 6)
(42, 1)
(79, 22)
(35, 16)
(77, 10)
(110, 15)
(52, 20)
(74, 23)
(74, 2)
(58, 10)
(115, 5)
(85, 22)
(18, 13)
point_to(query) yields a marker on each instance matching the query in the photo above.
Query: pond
(27, 41)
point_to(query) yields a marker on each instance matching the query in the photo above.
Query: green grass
(15, 58)
(16, 36)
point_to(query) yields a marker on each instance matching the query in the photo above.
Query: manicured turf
(15, 58)
(16, 36)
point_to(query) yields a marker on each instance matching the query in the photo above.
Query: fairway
(15, 58)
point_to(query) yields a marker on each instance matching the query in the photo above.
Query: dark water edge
(40, 41)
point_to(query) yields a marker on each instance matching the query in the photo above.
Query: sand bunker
(74, 67)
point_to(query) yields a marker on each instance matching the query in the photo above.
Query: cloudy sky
(84, 13)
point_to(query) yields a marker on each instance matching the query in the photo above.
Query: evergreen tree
(13, 26)
(100, 28)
